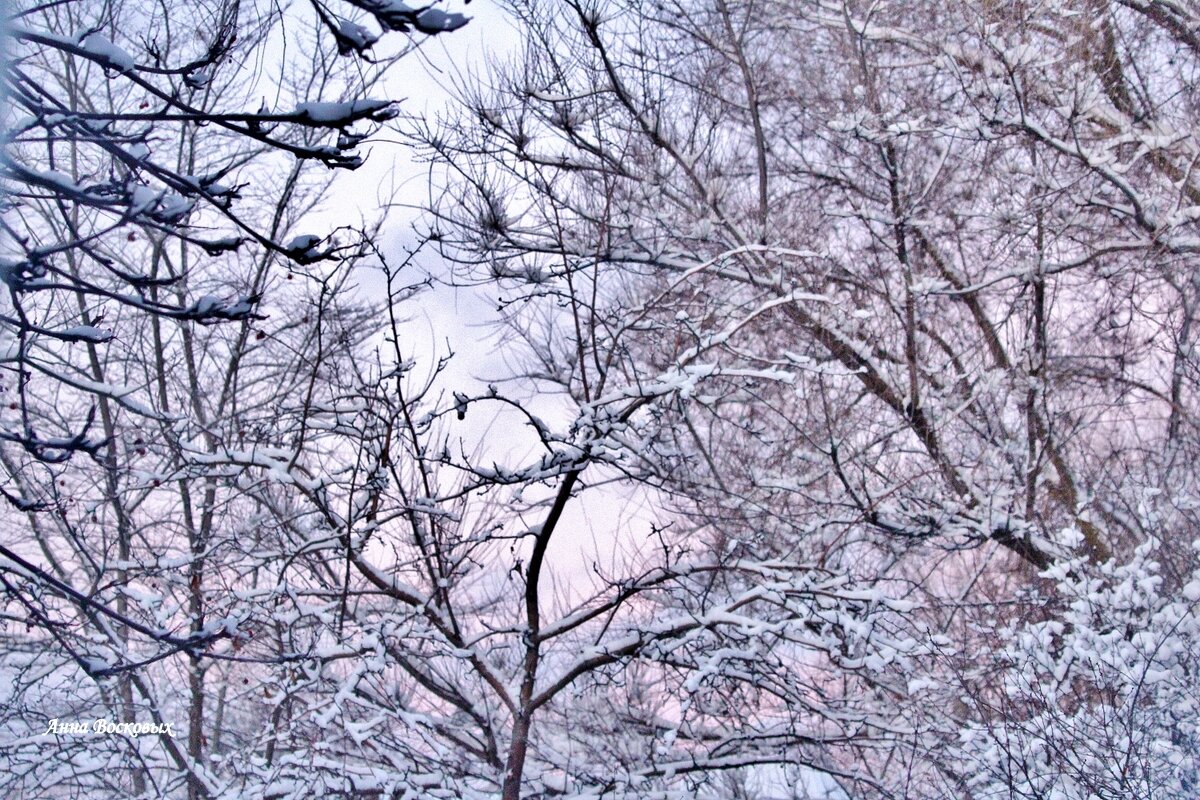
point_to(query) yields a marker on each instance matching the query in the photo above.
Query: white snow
(339, 114)
(103, 50)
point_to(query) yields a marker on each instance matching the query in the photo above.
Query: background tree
(1094, 701)
(910, 302)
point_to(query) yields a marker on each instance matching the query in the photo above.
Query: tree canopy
(837, 439)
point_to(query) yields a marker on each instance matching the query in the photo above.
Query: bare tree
(429, 652)
(102, 97)
(164, 308)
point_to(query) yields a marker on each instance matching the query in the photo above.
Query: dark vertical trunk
(515, 768)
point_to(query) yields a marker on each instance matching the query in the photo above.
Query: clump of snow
(60, 180)
(333, 115)
(87, 333)
(303, 243)
(434, 20)
(396, 15)
(108, 54)
(355, 36)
